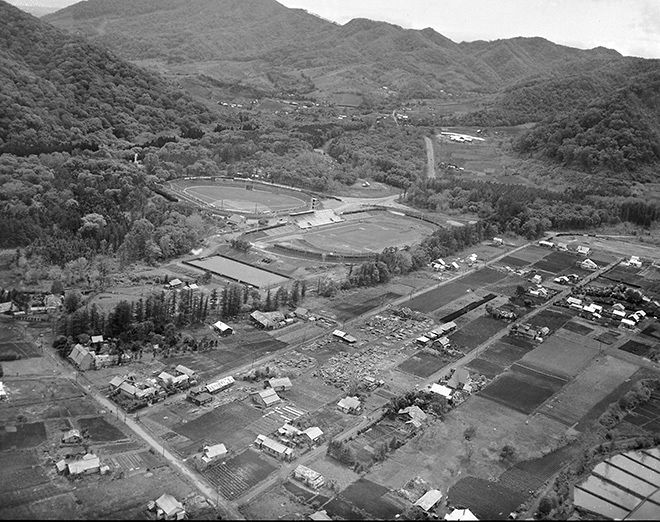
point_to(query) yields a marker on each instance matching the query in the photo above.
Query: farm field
(483, 277)
(239, 474)
(368, 496)
(369, 234)
(638, 348)
(504, 354)
(558, 262)
(578, 328)
(647, 416)
(592, 385)
(348, 310)
(468, 337)
(238, 271)
(438, 297)
(522, 389)
(100, 430)
(238, 198)
(562, 355)
(554, 318)
(485, 367)
(487, 500)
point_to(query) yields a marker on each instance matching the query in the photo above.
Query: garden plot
(438, 297)
(239, 474)
(558, 262)
(468, 337)
(504, 354)
(22, 436)
(647, 416)
(553, 318)
(486, 499)
(484, 367)
(576, 399)
(100, 430)
(578, 328)
(483, 277)
(522, 389)
(513, 262)
(376, 500)
(562, 355)
(639, 349)
(423, 364)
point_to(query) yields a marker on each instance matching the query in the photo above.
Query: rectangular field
(12, 350)
(558, 262)
(237, 271)
(22, 436)
(438, 297)
(238, 198)
(561, 355)
(522, 389)
(637, 348)
(239, 474)
(372, 498)
(553, 318)
(476, 332)
(348, 310)
(594, 383)
(483, 277)
(504, 354)
(100, 430)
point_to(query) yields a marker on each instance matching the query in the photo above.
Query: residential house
(173, 380)
(220, 384)
(89, 463)
(442, 390)
(274, 448)
(588, 264)
(583, 250)
(618, 306)
(267, 320)
(236, 219)
(71, 437)
(443, 342)
(6, 308)
(301, 313)
(3, 392)
(498, 241)
(116, 382)
(174, 283)
(289, 431)
(448, 327)
(280, 384)
(82, 357)
(635, 261)
(344, 336)
(349, 405)
(627, 323)
(618, 314)
(562, 246)
(309, 477)
(212, 454)
(414, 414)
(547, 244)
(429, 499)
(454, 265)
(321, 516)
(422, 340)
(314, 434)
(97, 340)
(537, 279)
(200, 399)
(222, 328)
(169, 508)
(186, 371)
(266, 398)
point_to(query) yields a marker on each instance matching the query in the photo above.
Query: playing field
(371, 234)
(240, 199)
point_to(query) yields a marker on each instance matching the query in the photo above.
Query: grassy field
(238, 198)
(369, 234)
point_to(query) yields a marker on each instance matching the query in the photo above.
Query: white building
(349, 405)
(429, 499)
(308, 476)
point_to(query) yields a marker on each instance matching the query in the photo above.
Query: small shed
(175, 283)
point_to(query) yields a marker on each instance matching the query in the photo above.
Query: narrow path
(430, 158)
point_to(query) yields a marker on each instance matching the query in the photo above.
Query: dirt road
(430, 158)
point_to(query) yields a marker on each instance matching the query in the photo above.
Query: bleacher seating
(318, 218)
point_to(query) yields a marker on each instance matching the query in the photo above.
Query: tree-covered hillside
(59, 93)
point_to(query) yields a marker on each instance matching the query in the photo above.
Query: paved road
(430, 158)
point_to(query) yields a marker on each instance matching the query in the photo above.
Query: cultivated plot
(423, 364)
(238, 271)
(487, 500)
(476, 332)
(100, 430)
(594, 383)
(239, 474)
(558, 262)
(438, 297)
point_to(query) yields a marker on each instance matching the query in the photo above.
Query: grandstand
(315, 218)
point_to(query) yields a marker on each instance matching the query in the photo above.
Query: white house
(213, 454)
(280, 384)
(440, 389)
(583, 250)
(429, 499)
(266, 397)
(169, 508)
(222, 328)
(588, 264)
(349, 405)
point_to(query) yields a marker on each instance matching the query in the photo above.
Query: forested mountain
(269, 40)
(60, 93)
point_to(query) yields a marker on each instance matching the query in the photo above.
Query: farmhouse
(422, 340)
(185, 370)
(168, 508)
(415, 415)
(82, 357)
(443, 342)
(280, 384)
(220, 384)
(314, 434)
(273, 448)
(236, 219)
(301, 313)
(71, 437)
(574, 303)
(588, 264)
(454, 265)
(627, 323)
(200, 399)
(173, 380)
(266, 398)
(440, 389)
(90, 463)
(116, 382)
(175, 283)
(618, 314)
(308, 476)
(212, 454)
(537, 279)
(349, 405)
(96, 339)
(583, 250)
(267, 320)
(429, 499)
(547, 244)
(222, 328)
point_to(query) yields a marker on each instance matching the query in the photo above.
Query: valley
(256, 264)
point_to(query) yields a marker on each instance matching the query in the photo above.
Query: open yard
(423, 364)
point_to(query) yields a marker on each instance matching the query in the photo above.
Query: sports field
(239, 199)
(371, 234)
